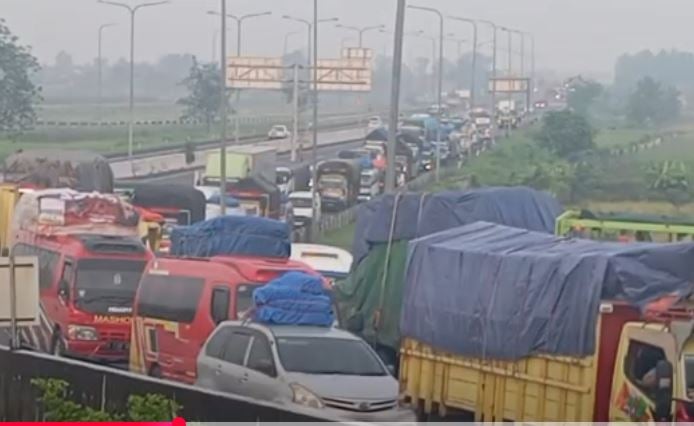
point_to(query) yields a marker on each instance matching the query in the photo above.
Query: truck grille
(360, 406)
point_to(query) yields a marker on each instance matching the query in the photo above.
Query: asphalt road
(323, 153)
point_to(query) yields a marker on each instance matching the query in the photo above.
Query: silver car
(325, 369)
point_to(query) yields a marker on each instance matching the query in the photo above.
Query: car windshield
(314, 355)
(301, 203)
(107, 285)
(278, 129)
(282, 177)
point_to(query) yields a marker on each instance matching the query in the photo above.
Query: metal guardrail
(100, 387)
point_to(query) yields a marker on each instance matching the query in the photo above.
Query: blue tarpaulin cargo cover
(228, 235)
(490, 291)
(295, 298)
(419, 215)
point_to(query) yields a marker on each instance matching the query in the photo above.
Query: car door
(261, 373)
(230, 372)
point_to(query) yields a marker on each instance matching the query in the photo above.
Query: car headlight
(79, 332)
(303, 396)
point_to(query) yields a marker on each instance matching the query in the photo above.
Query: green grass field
(612, 138)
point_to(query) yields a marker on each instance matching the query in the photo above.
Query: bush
(54, 396)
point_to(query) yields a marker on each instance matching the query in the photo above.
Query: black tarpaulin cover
(423, 214)
(491, 291)
(171, 196)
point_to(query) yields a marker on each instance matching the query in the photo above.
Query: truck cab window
(640, 364)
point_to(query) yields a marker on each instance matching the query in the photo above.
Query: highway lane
(328, 147)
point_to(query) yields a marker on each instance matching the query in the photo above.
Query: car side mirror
(663, 391)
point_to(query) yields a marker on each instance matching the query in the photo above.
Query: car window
(236, 346)
(215, 347)
(260, 353)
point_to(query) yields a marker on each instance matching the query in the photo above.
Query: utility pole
(132, 10)
(100, 66)
(295, 121)
(473, 71)
(314, 148)
(223, 112)
(440, 84)
(395, 95)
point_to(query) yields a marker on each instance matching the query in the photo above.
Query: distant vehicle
(191, 296)
(338, 183)
(301, 205)
(284, 178)
(331, 262)
(324, 369)
(541, 105)
(278, 131)
(374, 122)
(370, 184)
(242, 162)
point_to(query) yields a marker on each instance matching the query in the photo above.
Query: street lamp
(493, 100)
(458, 41)
(422, 34)
(239, 25)
(100, 64)
(309, 26)
(360, 30)
(439, 108)
(286, 41)
(473, 82)
(132, 10)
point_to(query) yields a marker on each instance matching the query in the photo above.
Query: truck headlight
(303, 396)
(79, 332)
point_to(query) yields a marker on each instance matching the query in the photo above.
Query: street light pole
(132, 10)
(473, 81)
(494, 75)
(239, 26)
(286, 41)
(361, 30)
(440, 82)
(100, 66)
(224, 103)
(395, 94)
(314, 150)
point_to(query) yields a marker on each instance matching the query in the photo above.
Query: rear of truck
(538, 388)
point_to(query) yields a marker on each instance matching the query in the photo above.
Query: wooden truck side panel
(532, 389)
(537, 389)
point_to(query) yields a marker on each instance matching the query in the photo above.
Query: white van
(332, 262)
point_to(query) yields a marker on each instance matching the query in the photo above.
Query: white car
(374, 123)
(324, 369)
(278, 131)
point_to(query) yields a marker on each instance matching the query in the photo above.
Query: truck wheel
(57, 345)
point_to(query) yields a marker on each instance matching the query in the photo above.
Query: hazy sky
(572, 35)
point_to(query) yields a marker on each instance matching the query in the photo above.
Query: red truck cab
(87, 286)
(180, 302)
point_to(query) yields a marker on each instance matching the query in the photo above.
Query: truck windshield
(302, 203)
(107, 286)
(314, 355)
(282, 177)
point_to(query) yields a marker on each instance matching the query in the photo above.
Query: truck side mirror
(663, 392)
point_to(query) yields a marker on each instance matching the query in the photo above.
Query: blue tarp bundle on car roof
(418, 214)
(295, 298)
(491, 291)
(228, 235)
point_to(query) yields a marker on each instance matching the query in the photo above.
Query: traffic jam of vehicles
(480, 304)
